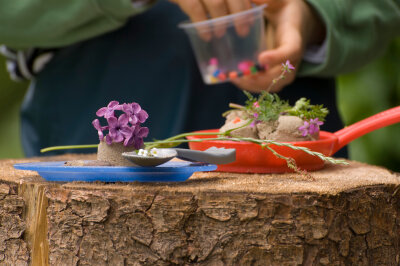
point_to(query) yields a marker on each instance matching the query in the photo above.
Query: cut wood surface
(349, 215)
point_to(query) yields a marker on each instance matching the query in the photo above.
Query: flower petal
(123, 120)
(136, 108)
(118, 137)
(127, 108)
(112, 122)
(112, 104)
(143, 132)
(142, 116)
(101, 112)
(96, 124)
(313, 129)
(138, 143)
(109, 139)
(133, 119)
(127, 132)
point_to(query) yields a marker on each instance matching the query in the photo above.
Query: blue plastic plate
(167, 172)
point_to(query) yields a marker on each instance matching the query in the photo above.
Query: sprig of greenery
(268, 107)
(306, 111)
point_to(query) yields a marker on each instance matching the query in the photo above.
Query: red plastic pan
(251, 158)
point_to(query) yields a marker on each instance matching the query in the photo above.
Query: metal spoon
(212, 155)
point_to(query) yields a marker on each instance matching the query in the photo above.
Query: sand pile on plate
(286, 128)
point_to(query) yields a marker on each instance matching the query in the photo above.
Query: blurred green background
(11, 94)
(365, 92)
(372, 89)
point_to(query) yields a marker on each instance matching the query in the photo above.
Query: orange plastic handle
(356, 130)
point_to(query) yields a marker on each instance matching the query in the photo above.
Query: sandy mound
(286, 128)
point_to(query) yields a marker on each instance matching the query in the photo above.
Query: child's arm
(355, 32)
(49, 23)
(358, 31)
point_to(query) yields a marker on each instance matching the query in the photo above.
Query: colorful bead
(216, 73)
(259, 67)
(246, 72)
(233, 74)
(213, 80)
(213, 61)
(245, 65)
(253, 70)
(222, 76)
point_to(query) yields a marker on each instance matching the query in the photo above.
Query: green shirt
(49, 23)
(358, 31)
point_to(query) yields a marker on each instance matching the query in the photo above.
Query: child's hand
(292, 26)
(199, 10)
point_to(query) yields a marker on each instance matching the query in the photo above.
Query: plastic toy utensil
(212, 155)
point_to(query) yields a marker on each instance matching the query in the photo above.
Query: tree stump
(349, 215)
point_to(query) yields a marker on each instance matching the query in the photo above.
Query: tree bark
(350, 215)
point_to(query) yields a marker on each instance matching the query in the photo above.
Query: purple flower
(135, 112)
(311, 127)
(136, 138)
(287, 67)
(126, 128)
(96, 124)
(119, 129)
(108, 111)
(254, 123)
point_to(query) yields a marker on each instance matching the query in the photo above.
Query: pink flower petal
(142, 116)
(101, 112)
(143, 132)
(123, 120)
(136, 108)
(112, 104)
(112, 122)
(109, 139)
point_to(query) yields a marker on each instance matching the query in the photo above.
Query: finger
(194, 9)
(263, 81)
(272, 5)
(196, 12)
(289, 47)
(242, 25)
(217, 8)
(258, 82)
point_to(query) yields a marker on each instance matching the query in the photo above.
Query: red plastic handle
(382, 119)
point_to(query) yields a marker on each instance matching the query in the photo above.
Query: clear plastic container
(228, 47)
